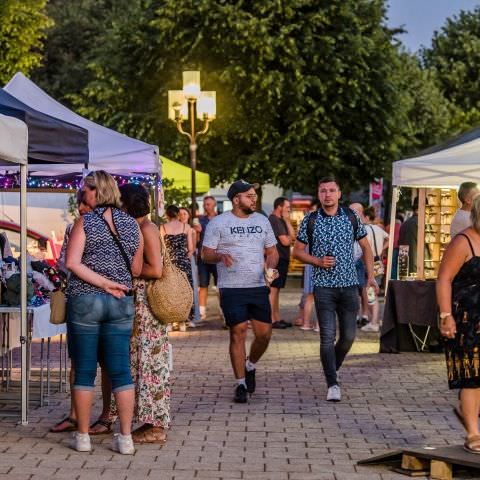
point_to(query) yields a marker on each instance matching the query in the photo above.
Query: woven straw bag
(171, 297)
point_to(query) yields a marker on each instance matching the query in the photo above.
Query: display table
(408, 303)
(38, 327)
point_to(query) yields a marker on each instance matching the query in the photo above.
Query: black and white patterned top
(333, 236)
(101, 253)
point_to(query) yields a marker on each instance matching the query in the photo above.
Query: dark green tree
(22, 30)
(455, 57)
(304, 87)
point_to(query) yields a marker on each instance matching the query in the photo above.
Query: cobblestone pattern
(287, 431)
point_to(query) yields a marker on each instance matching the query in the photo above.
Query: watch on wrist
(444, 315)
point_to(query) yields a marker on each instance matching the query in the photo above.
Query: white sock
(124, 436)
(241, 381)
(249, 365)
(203, 309)
(83, 435)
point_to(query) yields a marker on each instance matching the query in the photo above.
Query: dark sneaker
(250, 380)
(286, 324)
(240, 394)
(278, 324)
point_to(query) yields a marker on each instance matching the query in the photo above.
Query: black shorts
(282, 268)
(242, 304)
(204, 272)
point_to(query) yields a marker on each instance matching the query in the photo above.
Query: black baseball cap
(240, 186)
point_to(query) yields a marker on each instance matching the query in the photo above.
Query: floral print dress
(149, 349)
(149, 362)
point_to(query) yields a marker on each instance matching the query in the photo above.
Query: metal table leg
(42, 342)
(60, 376)
(48, 369)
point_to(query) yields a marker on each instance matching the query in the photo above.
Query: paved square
(287, 431)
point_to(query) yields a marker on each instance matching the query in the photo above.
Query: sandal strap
(103, 422)
(70, 420)
(473, 442)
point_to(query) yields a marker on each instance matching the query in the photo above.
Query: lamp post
(182, 105)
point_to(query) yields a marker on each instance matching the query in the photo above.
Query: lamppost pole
(183, 105)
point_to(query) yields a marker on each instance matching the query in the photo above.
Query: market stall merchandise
(436, 176)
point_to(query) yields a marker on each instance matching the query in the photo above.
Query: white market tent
(444, 166)
(109, 150)
(448, 167)
(14, 151)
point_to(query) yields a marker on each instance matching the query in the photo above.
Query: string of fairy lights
(12, 181)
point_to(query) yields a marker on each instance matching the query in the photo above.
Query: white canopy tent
(444, 166)
(14, 150)
(448, 167)
(109, 150)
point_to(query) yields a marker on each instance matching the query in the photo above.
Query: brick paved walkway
(286, 431)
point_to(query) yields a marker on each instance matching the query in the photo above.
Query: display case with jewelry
(440, 206)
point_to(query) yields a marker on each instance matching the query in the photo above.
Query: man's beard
(246, 210)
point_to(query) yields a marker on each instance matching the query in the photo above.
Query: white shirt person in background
(461, 219)
(242, 245)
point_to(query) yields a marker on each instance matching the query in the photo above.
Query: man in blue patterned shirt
(330, 235)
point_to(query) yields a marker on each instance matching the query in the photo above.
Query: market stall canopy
(447, 164)
(13, 140)
(50, 140)
(108, 150)
(182, 176)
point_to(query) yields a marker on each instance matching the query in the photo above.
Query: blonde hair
(475, 214)
(105, 186)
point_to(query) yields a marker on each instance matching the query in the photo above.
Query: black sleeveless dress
(463, 351)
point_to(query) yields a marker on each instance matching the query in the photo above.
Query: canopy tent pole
(156, 193)
(23, 298)
(393, 215)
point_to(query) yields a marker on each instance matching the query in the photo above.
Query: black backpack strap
(312, 218)
(3, 241)
(353, 220)
(117, 241)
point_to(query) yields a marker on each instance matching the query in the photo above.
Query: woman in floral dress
(149, 347)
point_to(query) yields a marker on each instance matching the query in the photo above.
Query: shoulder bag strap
(374, 241)
(117, 241)
(353, 220)
(312, 217)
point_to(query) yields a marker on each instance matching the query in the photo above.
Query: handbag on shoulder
(170, 297)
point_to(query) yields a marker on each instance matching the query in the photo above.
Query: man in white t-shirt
(242, 245)
(461, 219)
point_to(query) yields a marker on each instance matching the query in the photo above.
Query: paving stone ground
(287, 431)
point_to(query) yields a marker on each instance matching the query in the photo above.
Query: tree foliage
(455, 57)
(304, 87)
(22, 30)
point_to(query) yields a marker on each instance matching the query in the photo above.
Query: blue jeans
(330, 302)
(100, 322)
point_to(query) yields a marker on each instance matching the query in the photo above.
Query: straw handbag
(171, 297)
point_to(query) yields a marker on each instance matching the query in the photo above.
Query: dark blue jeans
(330, 303)
(100, 323)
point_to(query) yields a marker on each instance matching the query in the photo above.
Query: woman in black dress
(458, 295)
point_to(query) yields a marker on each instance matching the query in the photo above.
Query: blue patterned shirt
(333, 236)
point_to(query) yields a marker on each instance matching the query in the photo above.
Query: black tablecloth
(408, 302)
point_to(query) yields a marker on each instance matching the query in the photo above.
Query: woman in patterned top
(179, 244)
(149, 343)
(104, 251)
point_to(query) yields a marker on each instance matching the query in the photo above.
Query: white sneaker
(81, 442)
(123, 444)
(334, 394)
(182, 327)
(370, 327)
